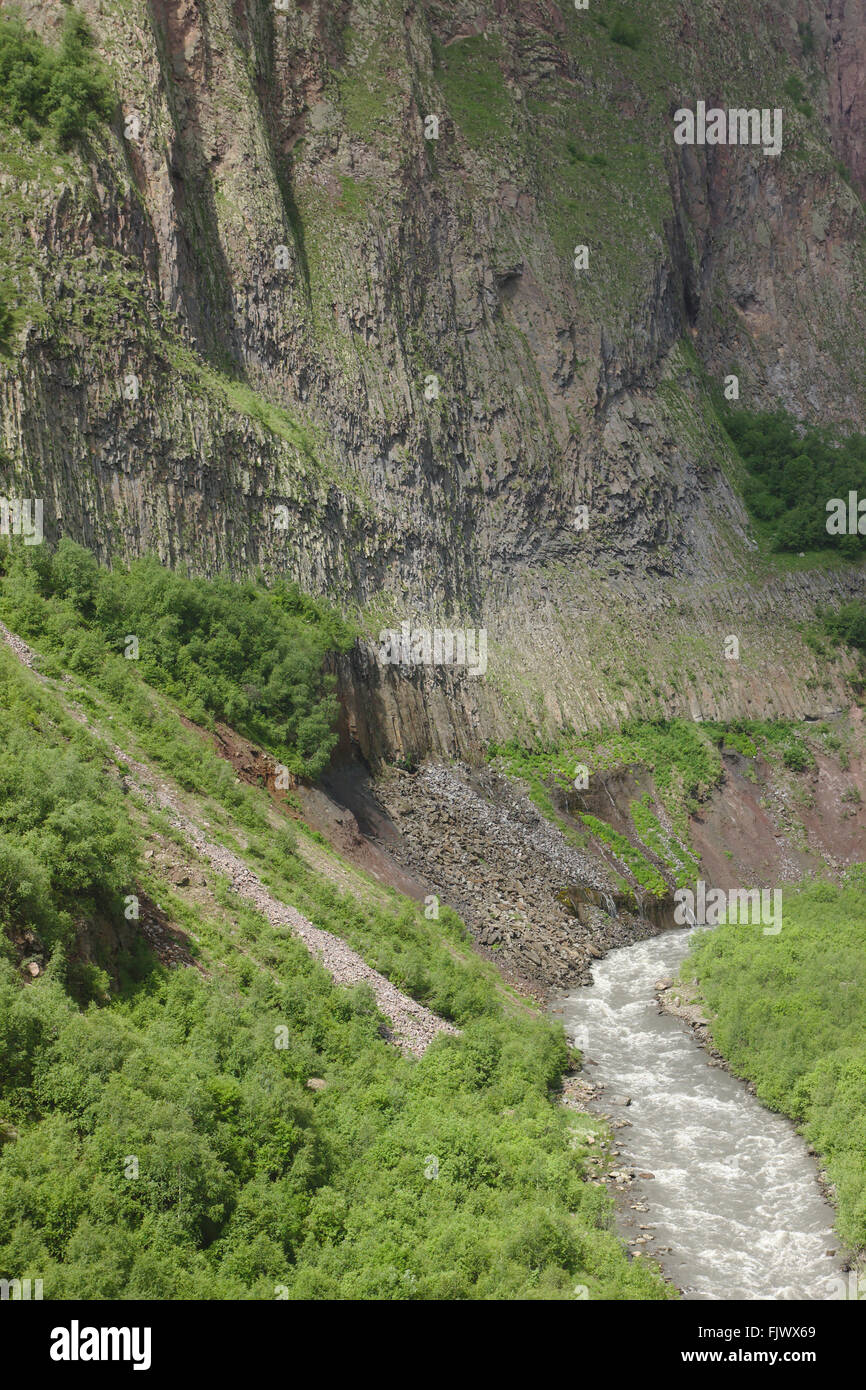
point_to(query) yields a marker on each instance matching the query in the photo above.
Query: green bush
(797, 757)
(63, 90)
(807, 37)
(795, 89)
(848, 624)
(793, 474)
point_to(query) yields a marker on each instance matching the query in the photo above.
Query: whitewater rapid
(734, 1192)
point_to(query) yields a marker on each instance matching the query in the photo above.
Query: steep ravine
(722, 1191)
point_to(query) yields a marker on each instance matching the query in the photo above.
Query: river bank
(681, 998)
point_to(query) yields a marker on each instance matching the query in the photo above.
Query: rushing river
(733, 1191)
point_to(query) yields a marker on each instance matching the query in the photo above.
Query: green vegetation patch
(469, 71)
(596, 170)
(774, 740)
(668, 847)
(645, 873)
(791, 477)
(233, 651)
(796, 90)
(368, 89)
(625, 32)
(64, 91)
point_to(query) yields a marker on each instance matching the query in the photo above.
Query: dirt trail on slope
(414, 1027)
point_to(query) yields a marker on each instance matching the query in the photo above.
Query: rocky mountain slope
(265, 321)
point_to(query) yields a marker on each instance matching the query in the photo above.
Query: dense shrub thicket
(790, 1013)
(67, 854)
(792, 476)
(232, 651)
(63, 90)
(451, 1177)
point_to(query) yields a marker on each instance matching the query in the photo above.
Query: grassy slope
(789, 1012)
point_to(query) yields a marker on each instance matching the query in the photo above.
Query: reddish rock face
(846, 22)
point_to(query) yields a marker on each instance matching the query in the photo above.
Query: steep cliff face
(842, 42)
(266, 288)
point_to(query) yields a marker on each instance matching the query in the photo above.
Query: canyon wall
(264, 322)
